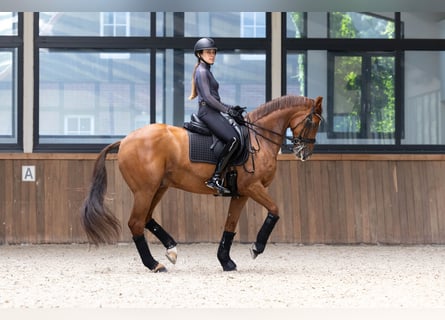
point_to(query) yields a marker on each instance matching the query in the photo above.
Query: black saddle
(206, 147)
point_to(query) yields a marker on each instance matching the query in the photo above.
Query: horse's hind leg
(136, 224)
(163, 236)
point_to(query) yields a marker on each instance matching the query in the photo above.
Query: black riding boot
(215, 182)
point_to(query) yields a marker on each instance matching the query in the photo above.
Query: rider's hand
(237, 114)
(240, 109)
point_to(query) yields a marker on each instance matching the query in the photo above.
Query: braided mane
(283, 102)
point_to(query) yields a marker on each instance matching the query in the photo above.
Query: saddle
(206, 147)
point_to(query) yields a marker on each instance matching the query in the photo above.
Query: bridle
(299, 143)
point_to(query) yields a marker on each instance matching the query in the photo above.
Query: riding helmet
(204, 43)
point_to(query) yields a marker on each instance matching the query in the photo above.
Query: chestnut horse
(156, 157)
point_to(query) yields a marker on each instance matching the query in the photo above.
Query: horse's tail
(100, 225)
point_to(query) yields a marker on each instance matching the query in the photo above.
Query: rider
(205, 87)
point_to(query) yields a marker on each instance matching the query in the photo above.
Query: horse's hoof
(172, 255)
(160, 268)
(253, 251)
(229, 266)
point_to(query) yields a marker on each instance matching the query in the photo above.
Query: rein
(251, 126)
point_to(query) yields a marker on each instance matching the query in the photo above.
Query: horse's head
(304, 129)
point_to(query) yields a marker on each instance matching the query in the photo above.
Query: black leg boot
(145, 254)
(263, 235)
(166, 239)
(224, 251)
(215, 182)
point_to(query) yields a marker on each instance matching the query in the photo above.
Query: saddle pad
(200, 151)
(200, 148)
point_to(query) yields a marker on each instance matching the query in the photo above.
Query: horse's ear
(318, 101)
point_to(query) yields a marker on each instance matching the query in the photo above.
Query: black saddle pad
(200, 148)
(200, 151)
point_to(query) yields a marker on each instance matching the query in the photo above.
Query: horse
(155, 157)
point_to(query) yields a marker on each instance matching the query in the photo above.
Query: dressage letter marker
(28, 173)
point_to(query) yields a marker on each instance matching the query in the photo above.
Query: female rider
(205, 87)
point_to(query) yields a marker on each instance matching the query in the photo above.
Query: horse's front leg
(263, 235)
(260, 195)
(235, 208)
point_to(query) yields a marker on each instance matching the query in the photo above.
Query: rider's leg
(215, 182)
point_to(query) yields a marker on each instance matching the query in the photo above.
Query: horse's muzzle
(301, 151)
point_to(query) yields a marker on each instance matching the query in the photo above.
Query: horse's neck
(272, 128)
(276, 121)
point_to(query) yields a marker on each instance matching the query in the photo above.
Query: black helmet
(204, 43)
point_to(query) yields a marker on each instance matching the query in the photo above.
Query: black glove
(237, 114)
(239, 109)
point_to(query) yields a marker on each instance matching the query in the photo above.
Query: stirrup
(215, 185)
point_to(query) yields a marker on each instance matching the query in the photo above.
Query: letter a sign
(28, 173)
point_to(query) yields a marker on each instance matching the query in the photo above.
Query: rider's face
(209, 55)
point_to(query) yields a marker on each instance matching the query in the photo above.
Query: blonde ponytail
(194, 92)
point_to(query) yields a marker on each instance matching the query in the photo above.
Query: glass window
(360, 25)
(428, 25)
(295, 77)
(9, 58)
(424, 97)
(8, 23)
(295, 25)
(99, 97)
(94, 24)
(8, 96)
(100, 90)
(361, 105)
(212, 24)
(253, 25)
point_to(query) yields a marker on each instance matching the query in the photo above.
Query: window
(79, 125)
(115, 24)
(99, 78)
(361, 103)
(354, 25)
(296, 25)
(359, 86)
(94, 24)
(381, 76)
(253, 24)
(10, 87)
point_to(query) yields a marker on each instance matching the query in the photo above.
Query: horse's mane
(283, 102)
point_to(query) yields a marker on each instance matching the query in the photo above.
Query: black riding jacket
(207, 88)
(210, 105)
